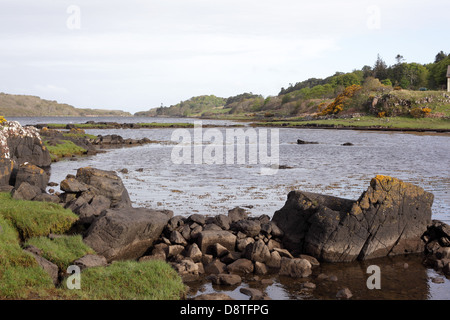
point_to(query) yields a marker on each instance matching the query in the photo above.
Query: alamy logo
(238, 146)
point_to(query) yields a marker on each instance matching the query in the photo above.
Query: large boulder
(389, 218)
(127, 233)
(106, 183)
(23, 144)
(19, 145)
(33, 175)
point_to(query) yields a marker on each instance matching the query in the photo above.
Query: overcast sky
(134, 55)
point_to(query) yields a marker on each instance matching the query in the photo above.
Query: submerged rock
(389, 218)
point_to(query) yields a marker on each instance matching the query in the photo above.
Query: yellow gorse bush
(2, 120)
(338, 104)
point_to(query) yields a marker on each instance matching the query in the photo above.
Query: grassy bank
(64, 149)
(369, 122)
(150, 125)
(25, 223)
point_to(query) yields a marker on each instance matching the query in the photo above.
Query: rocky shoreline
(390, 218)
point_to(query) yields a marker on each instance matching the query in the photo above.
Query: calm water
(327, 167)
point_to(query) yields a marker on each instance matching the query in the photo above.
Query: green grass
(34, 219)
(61, 251)
(66, 149)
(370, 121)
(77, 125)
(79, 135)
(131, 280)
(19, 271)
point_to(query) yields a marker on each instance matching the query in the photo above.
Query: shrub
(338, 104)
(420, 112)
(2, 120)
(381, 114)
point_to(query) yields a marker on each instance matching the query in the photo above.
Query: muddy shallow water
(326, 167)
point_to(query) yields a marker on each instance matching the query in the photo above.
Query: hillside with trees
(31, 106)
(379, 90)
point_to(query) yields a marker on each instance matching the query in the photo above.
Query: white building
(448, 78)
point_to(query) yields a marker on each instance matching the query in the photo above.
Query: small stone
(332, 278)
(241, 266)
(309, 285)
(177, 238)
(344, 294)
(215, 267)
(254, 294)
(226, 279)
(437, 280)
(194, 253)
(322, 276)
(266, 282)
(260, 268)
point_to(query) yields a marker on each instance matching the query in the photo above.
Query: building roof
(448, 72)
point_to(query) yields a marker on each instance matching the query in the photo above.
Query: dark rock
(250, 227)
(49, 267)
(6, 169)
(309, 285)
(215, 267)
(237, 214)
(33, 175)
(211, 237)
(223, 221)
(231, 257)
(175, 222)
(260, 268)
(127, 233)
(24, 144)
(211, 227)
(254, 294)
(106, 183)
(197, 218)
(241, 244)
(174, 250)
(284, 253)
(389, 218)
(344, 294)
(347, 144)
(26, 192)
(218, 250)
(257, 251)
(241, 266)
(90, 261)
(72, 185)
(226, 279)
(295, 268)
(177, 238)
(194, 253)
(275, 260)
(299, 141)
(44, 197)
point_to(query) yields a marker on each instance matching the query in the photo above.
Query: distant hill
(194, 107)
(12, 105)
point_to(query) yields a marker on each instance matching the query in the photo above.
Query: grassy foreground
(25, 223)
